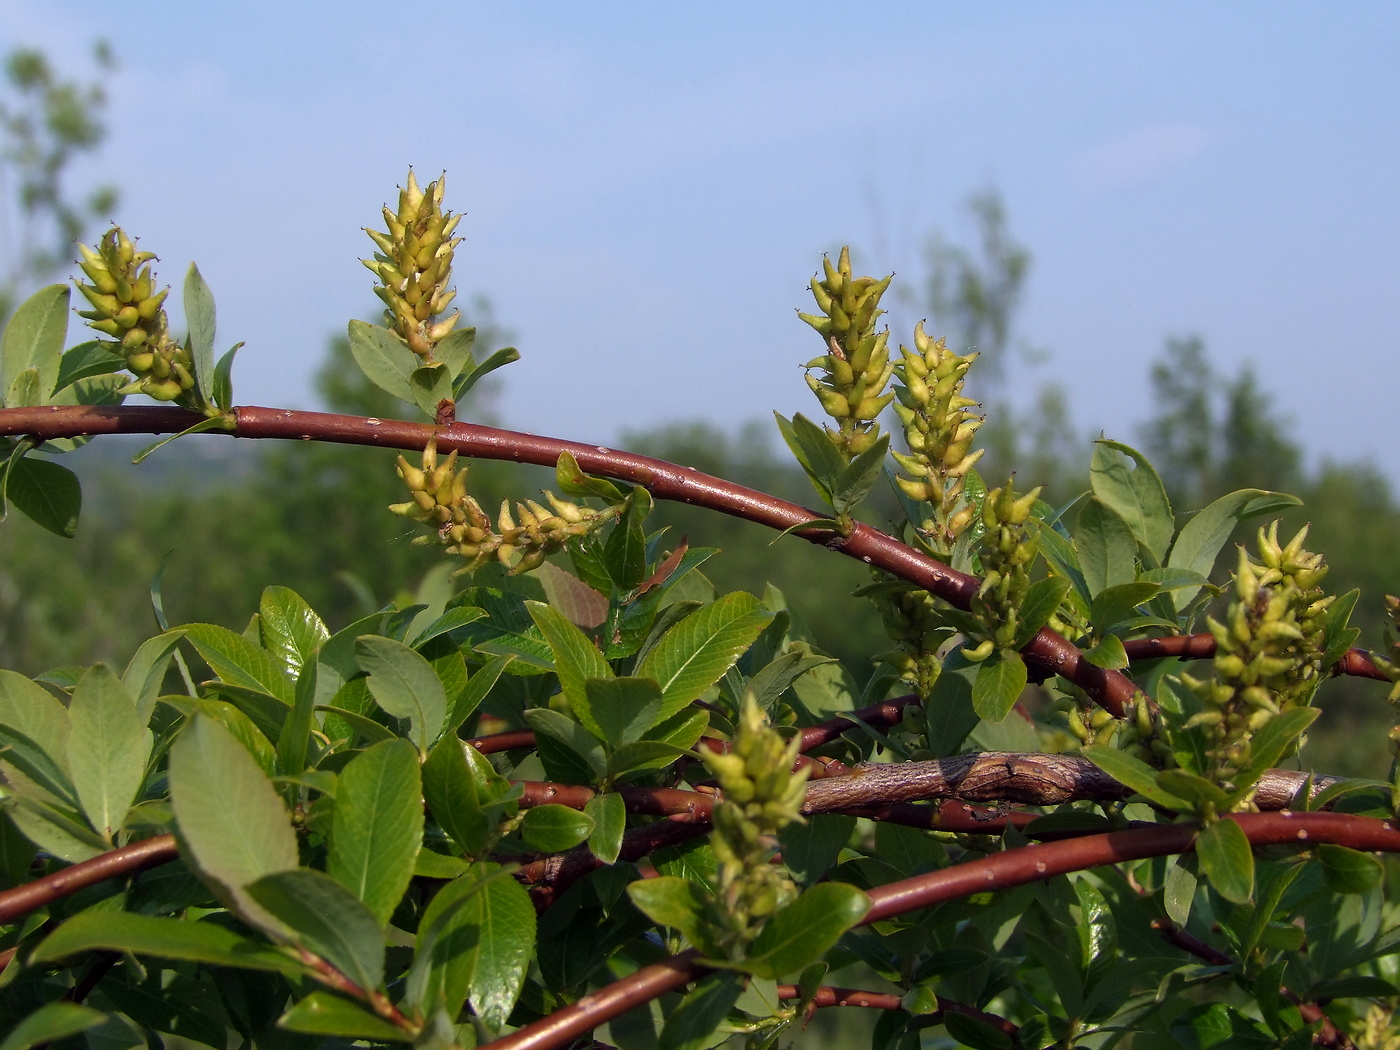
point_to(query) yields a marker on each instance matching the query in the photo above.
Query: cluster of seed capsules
(1007, 549)
(127, 308)
(414, 265)
(857, 362)
(939, 425)
(440, 499)
(1268, 655)
(762, 795)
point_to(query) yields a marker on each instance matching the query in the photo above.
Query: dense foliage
(576, 794)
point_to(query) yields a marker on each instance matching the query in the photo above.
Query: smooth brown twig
(1356, 663)
(148, 853)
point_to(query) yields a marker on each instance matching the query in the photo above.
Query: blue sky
(649, 186)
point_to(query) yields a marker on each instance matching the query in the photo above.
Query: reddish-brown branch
(1356, 663)
(1328, 1034)
(1048, 651)
(125, 861)
(826, 995)
(1000, 871)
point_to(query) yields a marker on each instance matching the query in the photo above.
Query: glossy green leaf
(1114, 604)
(1132, 773)
(290, 629)
(815, 453)
(1135, 495)
(431, 384)
(1108, 654)
(1000, 680)
(553, 828)
(810, 848)
(805, 930)
(856, 479)
(404, 684)
(574, 482)
(454, 350)
(1042, 599)
(976, 1033)
(1201, 538)
(949, 715)
(200, 317)
(502, 357)
(1107, 548)
(573, 737)
(1227, 860)
(232, 822)
(144, 676)
(378, 826)
(692, 1023)
(49, 1023)
(221, 385)
(1348, 870)
(1196, 791)
(609, 815)
(295, 737)
(670, 900)
(625, 549)
(642, 755)
(1276, 739)
(107, 748)
(1179, 890)
(505, 946)
(1060, 555)
(1097, 931)
(479, 686)
(623, 708)
(445, 948)
(450, 792)
(327, 919)
(322, 1013)
(693, 654)
(238, 661)
(93, 358)
(384, 358)
(161, 938)
(47, 493)
(576, 659)
(33, 338)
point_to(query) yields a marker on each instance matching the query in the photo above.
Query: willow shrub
(587, 800)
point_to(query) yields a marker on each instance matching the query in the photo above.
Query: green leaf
(805, 930)
(1227, 860)
(431, 384)
(26, 756)
(505, 945)
(450, 792)
(51, 1022)
(454, 351)
(1132, 773)
(499, 359)
(625, 550)
(238, 661)
(1108, 654)
(643, 755)
(295, 737)
(1114, 604)
(815, 453)
(1276, 739)
(322, 1013)
(1179, 890)
(693, 654)
(33, 338)
(574, 482)
(32, 710)
(107, 748)
(810, 848)
(576, 659)
(207, 424)
(144, 676)
(222, 383)
(1201, 538)
(562, 729)
(609, 815)
(1042, 599)
(1107, 548)
(1339, 636)
(479, 685)
(47, 493)
(24, 391)
(199, 316)
(670, 900)
(177, 939)
(999, 683)
(233, 826)
(1061, 556)
(623, 708)
(1196, 791)
(773, 679)
(1348, 870)
(445, 948)
(854, 482)
(384, 358)
(94, 358)
(378, 826)
(404, 684)
(290, 629)
(56, 829)
(949, 715)
(693, 1022)
(1136, 496)
(975, 1032)
(553, 828)
(328, 920)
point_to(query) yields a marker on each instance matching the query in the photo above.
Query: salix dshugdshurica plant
(581, 794)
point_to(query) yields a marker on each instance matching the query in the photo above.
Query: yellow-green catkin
(856, 367)
(520, 540)
(762, 795)
(127, 308)
(1269, 650)
(939, 425)
(414, 266)
(1007, 549)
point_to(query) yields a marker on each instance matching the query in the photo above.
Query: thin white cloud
(1141, 154)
